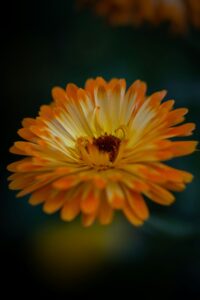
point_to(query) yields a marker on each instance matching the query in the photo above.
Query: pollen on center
(109, 144)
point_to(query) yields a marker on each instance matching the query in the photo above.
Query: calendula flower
(178, 13)
(100, 149)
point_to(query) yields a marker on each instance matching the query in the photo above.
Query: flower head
(100, 149)
(178, 13)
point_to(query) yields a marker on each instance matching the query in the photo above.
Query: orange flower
(100, 149)
(178, 13)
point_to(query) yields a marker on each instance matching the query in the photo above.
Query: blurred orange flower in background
(100, 149)
(180, 14)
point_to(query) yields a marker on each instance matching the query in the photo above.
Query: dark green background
(48, 43)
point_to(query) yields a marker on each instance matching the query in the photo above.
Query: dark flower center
(108, 143)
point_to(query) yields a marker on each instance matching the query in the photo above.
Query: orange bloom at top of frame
(178, 13)
(100, 149)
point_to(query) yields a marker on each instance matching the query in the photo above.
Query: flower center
(109, 144)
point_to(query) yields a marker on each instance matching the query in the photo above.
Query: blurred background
(48, 43)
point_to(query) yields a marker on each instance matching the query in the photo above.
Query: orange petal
(82, 94)
(100, 81)
(54, 203)
(71, 208)
(88, 220)
(63, 170)
(183, 130)
(115, 196)
(46, 112)
(156, 98)
(27, 122)
(130, 215)
(26, 134)
(71, 90)
(90, 203)
(160, 195)
(27, 147)
(39, 131)
(117, 202)
(14, 176)
(160, 144)
(21, 182)
(90, 86)
(174, 186)
(99, 182)
(29, 167)
(65, 182)
(183, 148)
(176, 116)
(114, 82)
(138, 88)
(102, 93)
(139, 185)
(150, 174)
(59, 95)
(13, 167)
(167, 106)
(172, 174)
(105, 214)
(164, 155)
(15, 150)
(33, 187)
(39, 196)
(138, 204)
